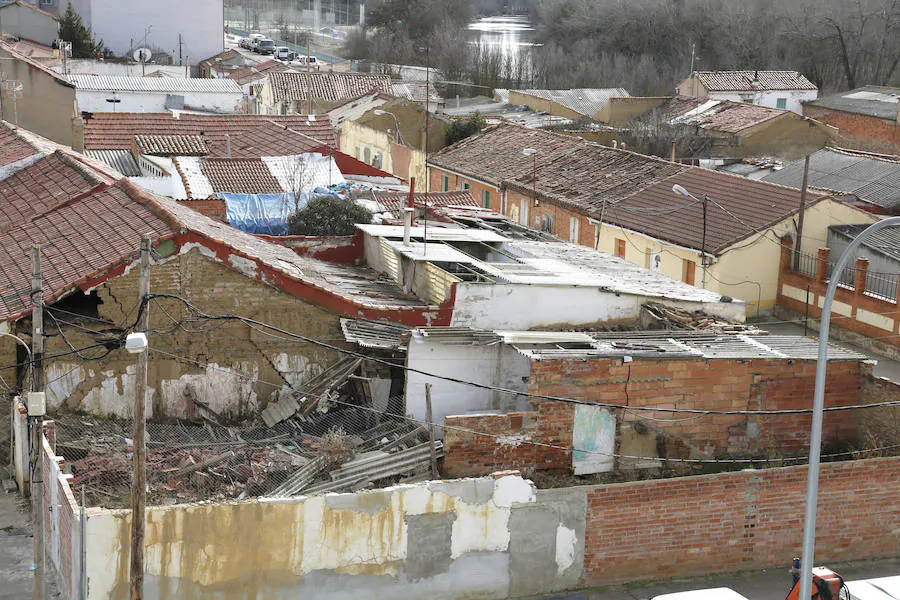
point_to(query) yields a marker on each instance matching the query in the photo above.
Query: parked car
(265, 46)
(284, 53)
(300, 62)
(244, 43)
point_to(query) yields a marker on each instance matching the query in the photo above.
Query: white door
(593, 440)
(573, 230)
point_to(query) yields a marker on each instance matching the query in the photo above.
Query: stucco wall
(47, 106)
(485, 538)
(96, 101)
(24, 22)
(124, 25)
(356, 138)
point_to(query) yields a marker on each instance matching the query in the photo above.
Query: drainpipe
(408, 211)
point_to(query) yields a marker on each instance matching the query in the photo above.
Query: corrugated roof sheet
(374, 334)
(120, 160)
(154, 85)
(885, 241)
(747, 81)
(871, 100)
(584, 101)
(871, 178)
(325, 86)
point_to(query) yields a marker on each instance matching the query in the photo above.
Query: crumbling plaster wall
(268, 365)
(488, 538)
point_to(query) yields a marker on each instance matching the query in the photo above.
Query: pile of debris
(655, 315)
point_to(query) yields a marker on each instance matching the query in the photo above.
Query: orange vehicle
(827, 585)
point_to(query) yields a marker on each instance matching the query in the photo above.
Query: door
(593, 440)
(523, 211)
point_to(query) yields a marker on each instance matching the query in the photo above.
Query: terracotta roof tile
(240, 176)
(717, 115)
(12, 147)
(270, 138)
(326, 86)
(171, 145)
(245, 75)
(114, 131)
(748, 81)
(394, 201)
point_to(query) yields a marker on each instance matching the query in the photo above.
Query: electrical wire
(445, 427)
(493, 388)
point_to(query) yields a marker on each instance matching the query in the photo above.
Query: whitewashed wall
(96, 101)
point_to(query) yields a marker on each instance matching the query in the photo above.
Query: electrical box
(37, 404)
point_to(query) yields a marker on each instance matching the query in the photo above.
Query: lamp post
(379, 112)
(681, 191)
(532, 152)
(815, 437)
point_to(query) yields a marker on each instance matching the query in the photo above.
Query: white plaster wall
(366, 533)
(795, 99)
(496, 365)
(95, 101)
(114, 69)
(497, 306)
(124, 25)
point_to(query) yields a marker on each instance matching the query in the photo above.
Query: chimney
(615, 144)
(228, 145)
(756, 75)
(408, 211)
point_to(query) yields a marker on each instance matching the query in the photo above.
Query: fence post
(862, 271)
(822, 265)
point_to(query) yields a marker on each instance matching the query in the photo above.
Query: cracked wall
(229, 367)
(442, 539)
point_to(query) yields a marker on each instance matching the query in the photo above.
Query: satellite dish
(143, 55)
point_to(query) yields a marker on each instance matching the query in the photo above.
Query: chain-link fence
(344, 449)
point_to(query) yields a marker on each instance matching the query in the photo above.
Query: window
(688, 271)
(620, 248)
(573, 229)
(466, 186)
(445, 183)
(546, 224)
(781, 103)
(367, 156)
(486, 198)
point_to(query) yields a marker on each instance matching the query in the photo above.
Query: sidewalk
(773, 584)
(17, 548)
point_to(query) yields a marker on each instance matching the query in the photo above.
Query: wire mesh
(344, 449)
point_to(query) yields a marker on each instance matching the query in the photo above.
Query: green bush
(327, 215)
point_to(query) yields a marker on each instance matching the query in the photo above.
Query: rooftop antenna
(12, 88)
(143, 56)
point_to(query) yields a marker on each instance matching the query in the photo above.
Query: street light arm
(815, 438)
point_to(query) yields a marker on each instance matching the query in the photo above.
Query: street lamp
(380, 112)
(681, 191)
(815, 437)
(532, 152)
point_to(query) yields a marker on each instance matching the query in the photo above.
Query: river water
(512, 35)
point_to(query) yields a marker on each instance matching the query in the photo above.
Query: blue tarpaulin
(261, 213)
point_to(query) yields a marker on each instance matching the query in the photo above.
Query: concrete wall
(544, 105)
(478, 538)
(788, 137)
(621, 111)
(47, 106)
(496, 365)
(123, 26)
(96, 101)
(246, 368)
(21, 21)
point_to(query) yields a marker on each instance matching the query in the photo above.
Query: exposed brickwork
(211, 208)
(734, 521)
(862, 131)
(500, 444)
(455, 182)
(703, 384)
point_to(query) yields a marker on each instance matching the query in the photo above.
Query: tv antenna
(13, 89)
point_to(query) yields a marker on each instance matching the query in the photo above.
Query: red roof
(722, 115)
(12, 147)
(394, 201)
(114, 131)
(748, 81)
(240, 176)
(250, 73)
(326, 86)
(271, 138)
(91, 230)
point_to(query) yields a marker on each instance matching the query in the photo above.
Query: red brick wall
(456, 183)
(210, 208)
(859, 128)
(702, 384)
(741, 520)
(559, 215)
(500, 444)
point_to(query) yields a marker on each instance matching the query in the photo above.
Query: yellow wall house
(373, 138)
(625, 204)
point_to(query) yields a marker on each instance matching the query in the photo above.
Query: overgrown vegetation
(72, 29)
(328, 215)
(462, 128)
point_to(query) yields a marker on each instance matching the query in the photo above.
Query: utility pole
(703, 245)
(308, 82)
(180, 62)
(37, 422)
(139, 463)
(430, 423)
(800, 214)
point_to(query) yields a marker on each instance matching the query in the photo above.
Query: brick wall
(501, 443)
(860, 131)
(702, 384)
(456, 182)
(211, 208)
(560, 218)
(735, 521)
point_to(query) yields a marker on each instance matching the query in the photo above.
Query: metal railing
(880, 284)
